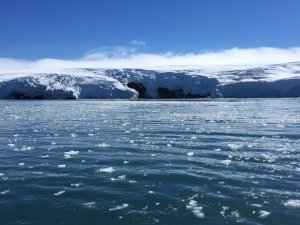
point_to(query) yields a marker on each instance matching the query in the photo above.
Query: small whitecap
(44, 156)
(107, 170)
(125, 162)
(21, 164)
(11, 145)
(61, 166)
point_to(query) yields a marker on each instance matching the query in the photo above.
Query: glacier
(268, 81)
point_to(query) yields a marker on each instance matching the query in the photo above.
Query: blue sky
(70, 29)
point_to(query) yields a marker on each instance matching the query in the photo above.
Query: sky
(34, 30)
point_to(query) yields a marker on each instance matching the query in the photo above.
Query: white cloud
(124, 57)
(137, 42)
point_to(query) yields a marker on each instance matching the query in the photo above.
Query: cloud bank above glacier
(129, 57)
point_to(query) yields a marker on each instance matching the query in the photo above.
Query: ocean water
(150, 162)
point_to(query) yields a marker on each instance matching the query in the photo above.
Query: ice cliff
(281, 80)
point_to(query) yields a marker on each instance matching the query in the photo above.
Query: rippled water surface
(150, 162)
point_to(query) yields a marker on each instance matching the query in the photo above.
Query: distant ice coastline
(270, 81)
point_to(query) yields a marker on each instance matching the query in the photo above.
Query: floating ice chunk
(292, 203)
(233, 146)
(263, 214)
(89, 204)
(132, 181)
(123, 206)
(59, 193)
(4, 192)
(190, 154)
(224, 208)
(107, 170)
(76, 185)
(73, 135)
(197, 210)
(61, 166)
(103, 145)
(68, 154)
(24, 149)
(119, 178)
(226, 162)
(235, 214)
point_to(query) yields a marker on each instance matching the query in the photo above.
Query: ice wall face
(273, 81)
(259, 89)
(62, 86)
(155, 84)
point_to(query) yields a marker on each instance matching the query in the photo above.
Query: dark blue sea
(150, 162)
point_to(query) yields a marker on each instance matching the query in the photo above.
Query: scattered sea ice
(68, 154)
(226, 162)
(107, 170)
(59, 193)
(190, 154)
(76, 185)
(123, 206)
(103, 145)
(292, 203)
(263, 214)
(89, 204)
(4, 192)
(233, 146)
(197, 210)
(119, 178)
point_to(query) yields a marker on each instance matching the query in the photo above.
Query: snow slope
(280, 80)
